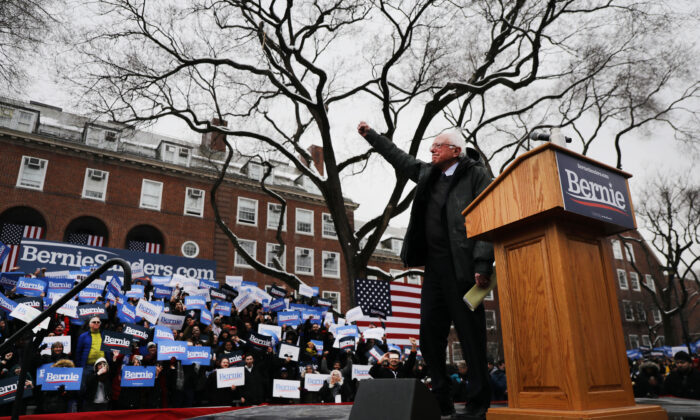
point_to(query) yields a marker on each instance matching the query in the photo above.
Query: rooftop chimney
(316, 153)
(215, 140)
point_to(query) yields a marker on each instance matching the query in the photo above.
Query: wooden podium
(547, 215)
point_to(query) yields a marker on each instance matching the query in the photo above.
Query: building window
(32, 173)
(394, 272)
(629, 251)
(413, 279)
(489, 296)
(660, 340)
(328, 226)
(95, 184)
(255, 171)
(151, 192)
(331, 264)
(249, 247)
(629, 311)
(617, 249)
(178, 155)
(333, 297)
(274, 212)
(641, 312)
(247, 211)
(456, 352)
(646, 342)
(190, 249)
(270, 253)
(622, 279)
(305, 221)
(490, 319)
(649, 280)
(634, 341)
(634, 281)
(657, 315)
(194, 202)
(304, 261)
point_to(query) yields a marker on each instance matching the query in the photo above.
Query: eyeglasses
(436, 146)
(95, 322)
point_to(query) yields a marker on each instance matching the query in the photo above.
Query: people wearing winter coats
(98, 387)
(89, 345)
(335, 389)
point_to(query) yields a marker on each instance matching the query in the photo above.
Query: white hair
(336, 371)
(454, 137)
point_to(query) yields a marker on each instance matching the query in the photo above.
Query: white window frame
(491, 314)
(457, 348)
(629, 252)
(625, 305)
(251, 172)
(324, 255)
(88, 175)
(186, 243)
(238, 212)
(634, 338)
(617, 249)
(622, 279)
(269, 248)
(43, 163)
(489, 295)
(649, 280)
(394, 272)
(238, 261)
(413, 279)
(297, 253)
(296, 221)
(273, 225)
(189, 210)
(160, 194)
(641, 311)
(656, 313)
(646, 341)
(324, 222)
(634, 281)
(328, 294)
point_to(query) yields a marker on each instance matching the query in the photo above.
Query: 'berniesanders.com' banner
(58, 256)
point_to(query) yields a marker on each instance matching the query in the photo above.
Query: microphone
(544, 136)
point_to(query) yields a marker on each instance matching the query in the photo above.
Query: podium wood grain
(563, 342)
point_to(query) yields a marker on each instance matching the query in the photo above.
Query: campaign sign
(30, 287)
(375, 352)
(8, 388)
(34, 302)
(292, 318)
(209, 284)
(217, 294)
(89, 295)
(347, 342)
(205, 316)
(319, 346)
(305, 290)
(314, 381)
(373, 333)
(313, 316)
(63, 339)
(59, 284)
(70, 378)
(138, 376)
(112, 340)
(41, 373)
(249, 283)
(234, 358)
(278, 305)
(221, 307)
(137, 271)
(7, 304)
(85, 312)
(284, 388)
(199, 292)
(594, 191)
(162, 292)
(138, 332)
(277, 292)
(354, 314)
(183, 282)
(234, 281)
(162, 333)
(38, 253)
(298, 307)
(274, 331)
(226, 378)
(126, 312)
(324, 302)
(361, 372)
(287, 350)
(148, 310)
(136, 292)
(170, 348)
(243, 300)
(69, 309)
(9, 280)
(260, 341)
(346, 330)
(27, 314)
(174, 322)
(197, 354)
(160, 280)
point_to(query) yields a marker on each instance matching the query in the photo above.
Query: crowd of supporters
(679, 376)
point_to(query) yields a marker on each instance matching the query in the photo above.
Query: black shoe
(475, 411)
(447, 407)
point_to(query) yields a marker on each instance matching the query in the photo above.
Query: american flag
(404, 307)
(139, 246)
(11, 235)
(86, 239)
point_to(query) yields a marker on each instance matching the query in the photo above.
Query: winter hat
(682, 356)
(100, 360)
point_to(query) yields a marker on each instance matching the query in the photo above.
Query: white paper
(354, 314)
(271, 330)
(183, 281)
(329, 318)
(175, 321)
(65, 339)
(305, 290)
(225, 378)
(148, 311)
(69, 309)
(285, 389)
(234, 281)
(243, 300)
(314, 381)
(341, 321)
(375, 333)
(361, 372)
(26, 313)
(199, 292)
(288, 350)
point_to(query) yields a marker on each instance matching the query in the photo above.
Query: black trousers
(441, 306)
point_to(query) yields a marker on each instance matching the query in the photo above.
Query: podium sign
(594, 191)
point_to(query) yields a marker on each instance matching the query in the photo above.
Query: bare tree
(284, 75)
(670, 211)
(23, 26)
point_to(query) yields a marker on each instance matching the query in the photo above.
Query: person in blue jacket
(89, 347)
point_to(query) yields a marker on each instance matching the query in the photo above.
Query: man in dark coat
(684, 381)
(390, 366)
(436, 238)
(255, 389)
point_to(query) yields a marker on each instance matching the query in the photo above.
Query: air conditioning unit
(97, 175)
(330, 257)
(169, 148)
(110, 136)
(184, 153)
(195, 193)
(34, 163)
(305, 252)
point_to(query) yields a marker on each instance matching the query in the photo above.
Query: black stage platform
(677, 409)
